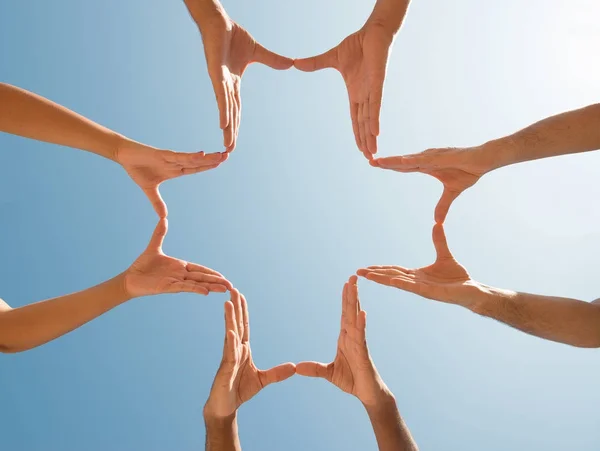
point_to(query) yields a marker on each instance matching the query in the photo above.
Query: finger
(229, 355)
(375, 111)
(158, 236)
(187, 286)
(157, 201)
(214, 287)
(195, 267)
(230, 320)
(228, 130)
(315, 369)
(322, 61)
(361, 323)
(232, 122)
(379, 278)
(271, 59)
(238, 100)
(361, 128)
(354, 117)
(370, 139)
(390, 272)
(198, 276)
(402, 163)
(191, 160)
(277, 374)
(352, 295)
(440, 243)
(188, 171)
(220, 88)
(245, 320)
(441, 210)
(344, 306)
(399, 268)
(236, 299)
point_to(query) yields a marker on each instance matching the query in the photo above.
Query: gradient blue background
(290, 216)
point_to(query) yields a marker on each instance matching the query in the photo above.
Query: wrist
(121, 287)
(498, 153)
(212, 418)
(384, 404)
(208, 13)
(486, 297)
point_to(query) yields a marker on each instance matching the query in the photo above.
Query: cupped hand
(445, 280)
(155, 273)
(149, 167)
(229, 49)
(352, 370)
(361, 58)
(238, 379)
(457, 168)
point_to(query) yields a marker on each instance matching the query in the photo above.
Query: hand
(352, 371)
(457, 168)
(361, 58)
(446, 280)
(229, 49)
(238, 379)
(149, 167)
(154, 272)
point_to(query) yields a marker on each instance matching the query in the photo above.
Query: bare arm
(152, 273)
(569, 321)
(391, 432)
(222, 433)
(571, 132)
(26, 114)
(33, 325)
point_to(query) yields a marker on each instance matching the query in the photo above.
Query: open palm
(149, 167)
(445, 280)
(229, 49)
(352, 370)
(361, 58)
(457, 168)
(238, 379)
(153, 272)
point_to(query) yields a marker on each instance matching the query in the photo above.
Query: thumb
(443, 205)
(157, 201)
(271, 59)
(322, 61)
(440, 243)
(158, 236)
(315, 369)
(277, 374)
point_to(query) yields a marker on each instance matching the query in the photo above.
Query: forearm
(390, 13)
(205, 11)
(222, 433)
(391, 432)
(564, 320)
(33, 325)
(26, 114)
(571, 132)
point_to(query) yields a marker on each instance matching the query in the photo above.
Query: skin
(151, 273)
(237, 379)
(354, 372)
(29, 115)
(361, 59)
(564, 320)
(460, 168)
(229, 49)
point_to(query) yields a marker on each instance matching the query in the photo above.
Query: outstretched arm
(222, 433)
(568, 321)
(354, 372)
(26, 114)
(153, 272)
(571, 132)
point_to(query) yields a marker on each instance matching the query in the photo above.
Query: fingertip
(352, 280)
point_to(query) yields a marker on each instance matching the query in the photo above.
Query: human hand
(445, 280)
(237, 379)
(352, 370)
(229, 49)
(457, 168)
(361, 58)
(155, 273)
(149, 167)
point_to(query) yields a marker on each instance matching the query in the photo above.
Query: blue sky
(290, 216)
